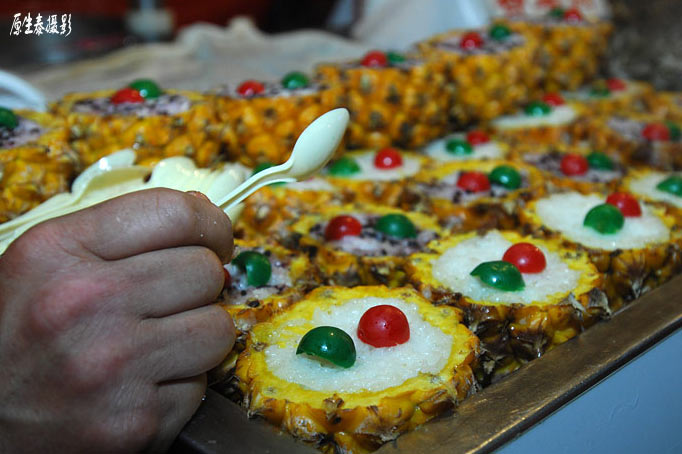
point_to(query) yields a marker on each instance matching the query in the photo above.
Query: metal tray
(489, 418)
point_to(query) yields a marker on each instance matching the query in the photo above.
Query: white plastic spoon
(312, 151)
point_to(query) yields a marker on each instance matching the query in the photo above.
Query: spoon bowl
(312, 151)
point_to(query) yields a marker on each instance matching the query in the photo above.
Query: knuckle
(133, 431)
(96, 367)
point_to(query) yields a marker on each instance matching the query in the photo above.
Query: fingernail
(199, 195)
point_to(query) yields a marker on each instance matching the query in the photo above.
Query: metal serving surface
(491, 417)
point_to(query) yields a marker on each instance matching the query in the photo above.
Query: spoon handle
(231, 200)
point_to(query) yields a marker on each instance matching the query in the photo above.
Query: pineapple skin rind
(483, 213)
(358, 422)
(34, 172)
(191, 133)
(513, 334)
(343, 268)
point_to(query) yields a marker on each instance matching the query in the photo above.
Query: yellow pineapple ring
(372, 185)
(547, 159)
(272, 208)
(622, 133)
(403, 104)
(513, 327)
(359, 420)
(486, 211)
(569, 55)
(555, 127)
(654, 257)
(32, 172)
(351, 268)
(188, 133)
(487, 84)
(632, 99)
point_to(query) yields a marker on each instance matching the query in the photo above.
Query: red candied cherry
(527, 257)
(375, 58)
(477, 137)
(383, 326)
(250, 88)
(471, 40)
(574, 164)
(473, 181)
(388, 158)
(228, 278)
(553, 99)
(626, 203)
(615, 84)
(656, 132)
(341, 226)
(573, 15)
(126, 95)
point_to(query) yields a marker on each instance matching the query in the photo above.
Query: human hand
(106, 331)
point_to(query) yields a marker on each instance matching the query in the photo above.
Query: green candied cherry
(599, 161)
(674, 130)
(604, 218)
(344, 167)
(8, 119)
(328, 344)
(294, 80)
(500, 275)
(147, 88)
(499, 32)
(599, 92)
(671, 185)
(557, 13)
(538, 109)
(256, 266)
(395, 57)
(396, 225)
(505, 176)
(459, 147)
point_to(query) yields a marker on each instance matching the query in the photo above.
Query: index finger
(149, 220)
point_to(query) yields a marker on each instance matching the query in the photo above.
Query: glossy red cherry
(477, 137)
(384, 326)
(527, 257)
(228, 278)
(573, 15)
(553, 99)
(126, 95)
(615, 84)
(341, 226)
(626, 203)
(656, 131)
(473, 181)
(375, 58)
(471, 40)
(250, 88)
(574, 164)
(388, 158)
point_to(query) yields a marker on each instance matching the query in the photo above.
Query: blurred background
(646, 43)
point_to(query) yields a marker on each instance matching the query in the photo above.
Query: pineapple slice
(558, 301)
(663, 188)
(468, 195)
(492, 70)
(547, 121)
(639, 138)
(664, 105)
(475, 144)
(261, 121)
(362, 244)
(36, 161)
(393, 99)
(356, 409)
(176, 123)
(612, 96)
(574, 167)
(571, 48)
(375, 176)
(635, 253)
